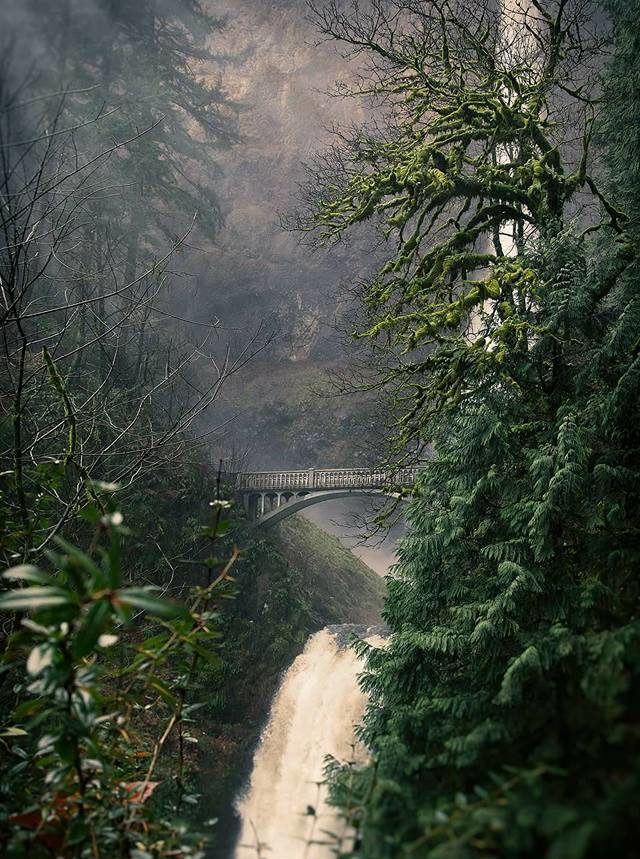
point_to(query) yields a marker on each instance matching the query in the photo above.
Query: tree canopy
(503, 714)
(484, 140)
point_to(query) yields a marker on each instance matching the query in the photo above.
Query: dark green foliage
(620, 130)
(339, 587)
(136, 67)
(106, 139)
(95, 704)
(504, 716)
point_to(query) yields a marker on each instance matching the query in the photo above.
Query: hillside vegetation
(341, 588)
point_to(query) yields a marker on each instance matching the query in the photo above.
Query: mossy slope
(341, 588)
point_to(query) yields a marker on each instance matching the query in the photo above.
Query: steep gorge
(292, 584)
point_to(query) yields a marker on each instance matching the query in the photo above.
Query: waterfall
(284, 811)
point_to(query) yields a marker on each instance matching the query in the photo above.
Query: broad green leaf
(164, 692)
(30, 599)
(27, 573)
(155, 642)
(81, 560)
(32, 626)
(77, 832)
(65, 747)
(90, 514)
(27, 708)
(40, 658)
(92, 628)
(209, 656)
(13, 732)
(145, 599)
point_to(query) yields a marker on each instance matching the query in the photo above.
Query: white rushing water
(313, 714)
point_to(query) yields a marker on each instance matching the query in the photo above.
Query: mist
(351, 521)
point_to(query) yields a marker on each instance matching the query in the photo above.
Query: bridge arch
(308, 499)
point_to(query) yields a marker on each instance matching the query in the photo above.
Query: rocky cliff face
(256, 273)
(281, 80)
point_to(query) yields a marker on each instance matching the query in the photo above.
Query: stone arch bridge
(270, 496)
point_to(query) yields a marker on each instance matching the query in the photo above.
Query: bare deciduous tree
(97, 380)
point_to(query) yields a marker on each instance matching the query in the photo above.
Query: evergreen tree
(504, 712)
(106, 153)
(503, 716)
(140, 67)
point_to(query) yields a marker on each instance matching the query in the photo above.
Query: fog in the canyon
(257, 277)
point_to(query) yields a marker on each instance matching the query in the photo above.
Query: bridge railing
(279, 480)
(325, 478)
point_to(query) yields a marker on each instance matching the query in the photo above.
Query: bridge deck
(325, 478)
